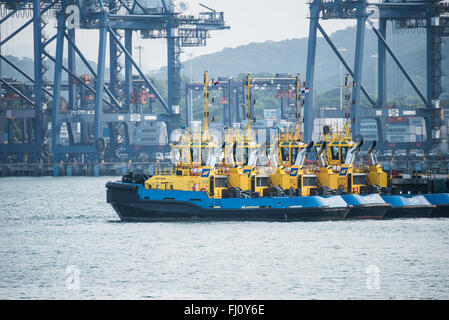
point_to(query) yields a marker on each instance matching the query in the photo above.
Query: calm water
(59, 239)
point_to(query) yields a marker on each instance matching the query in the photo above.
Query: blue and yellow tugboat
(198, 188)
(290, 177)
(360, 187)
(221, 179)
(366, 188)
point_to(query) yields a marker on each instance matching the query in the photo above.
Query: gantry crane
(111, 109)
(432, 15)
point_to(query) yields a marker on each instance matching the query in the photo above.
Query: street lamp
(341, 49)
(190, 55)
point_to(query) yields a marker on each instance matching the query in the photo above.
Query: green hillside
(290, 56)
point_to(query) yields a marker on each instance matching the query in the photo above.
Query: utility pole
(190, 55)
(341, 49)
(140, 48)
(375, 56)
(0, 50)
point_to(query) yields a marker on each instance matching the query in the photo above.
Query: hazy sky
(250, 21)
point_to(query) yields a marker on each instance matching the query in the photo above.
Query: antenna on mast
(297, 134)
(347, 132)
(205, 128)
(248, 98)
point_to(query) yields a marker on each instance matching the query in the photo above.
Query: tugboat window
(262, 182)
(245, 155)
(295, 151)
(309, 181)
(194, 152)
(285, 154)
(204, 154)
(220, 182)
(359, 179)
(344, 152)
(238, 155)
(335, 153)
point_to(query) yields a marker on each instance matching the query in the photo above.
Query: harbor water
(59, 239)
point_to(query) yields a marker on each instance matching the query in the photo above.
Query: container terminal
(112, 118)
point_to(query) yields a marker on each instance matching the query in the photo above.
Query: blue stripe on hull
(406, 200)
(202, 200)
(408, 206)
(441, 200)
(370, 206)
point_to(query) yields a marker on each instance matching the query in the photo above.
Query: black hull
(410, 212)
(368, 211)
(441, 211)
(161, 211)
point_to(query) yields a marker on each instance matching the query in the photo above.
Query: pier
(74, 169)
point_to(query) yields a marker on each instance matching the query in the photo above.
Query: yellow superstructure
(290, 175)
(243, 151)
(336, 155)
(204, 179)
(291, 142)
(195, 155)
(338, 142)
(230, 169)
(375, 176)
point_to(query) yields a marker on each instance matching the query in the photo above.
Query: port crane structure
(431, 15)
(112, 100)
(105, 108)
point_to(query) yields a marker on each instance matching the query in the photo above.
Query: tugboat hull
(441, 211)
(408, 206)
(370, 206)
(441, 201)
(368, 211)
(134, 203)
(182, 211)
(410, 212)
